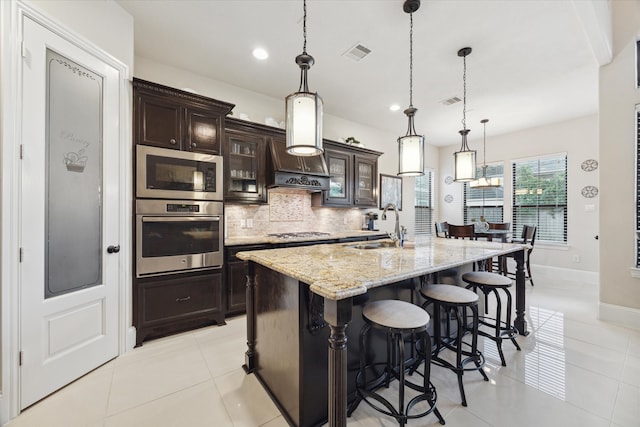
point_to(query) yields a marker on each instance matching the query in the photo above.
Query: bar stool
(491, 283)
(399, 319)
(453, 301)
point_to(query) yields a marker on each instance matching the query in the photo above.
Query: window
(540, 197)
(487, 203)
(423, 204)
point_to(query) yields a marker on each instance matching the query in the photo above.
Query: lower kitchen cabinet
(165, 305)
(236, 278)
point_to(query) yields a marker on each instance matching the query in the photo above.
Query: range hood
(285, 170)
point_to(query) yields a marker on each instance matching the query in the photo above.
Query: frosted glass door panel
(73, 198)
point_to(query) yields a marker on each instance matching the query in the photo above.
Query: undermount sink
(373, 245)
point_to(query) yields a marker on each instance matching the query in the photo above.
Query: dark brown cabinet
(175, 119)
(365, 185)
(168, 304)
(244, 153)
(236, 278)
(353, 181)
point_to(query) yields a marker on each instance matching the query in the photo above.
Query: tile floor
(573, 370)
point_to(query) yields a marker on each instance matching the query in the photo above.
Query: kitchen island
(300, 298)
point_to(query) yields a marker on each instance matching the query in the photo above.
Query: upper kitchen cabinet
(353, 181)
(244, 151)
(172, 118)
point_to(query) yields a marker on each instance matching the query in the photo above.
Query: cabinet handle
(183, 299)
(172, 141)
(193, 145)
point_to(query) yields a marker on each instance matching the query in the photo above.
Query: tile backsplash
(289, 210)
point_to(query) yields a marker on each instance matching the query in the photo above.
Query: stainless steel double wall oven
(179, 211)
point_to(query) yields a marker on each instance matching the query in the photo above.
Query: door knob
(113, 249)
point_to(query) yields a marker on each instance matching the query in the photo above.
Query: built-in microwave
(163, 173)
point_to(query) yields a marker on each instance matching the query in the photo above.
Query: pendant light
(411, 146)
(485, 182)
(465, 159)
(304, 109)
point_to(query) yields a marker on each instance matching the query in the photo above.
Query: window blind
(540, 197)
(423, 204)
(638, 185)
(487, 203)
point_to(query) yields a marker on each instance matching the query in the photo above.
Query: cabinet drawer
(175, 299)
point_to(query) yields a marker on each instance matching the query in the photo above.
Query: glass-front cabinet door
(245, 168)
(340, 187)
(366, 187)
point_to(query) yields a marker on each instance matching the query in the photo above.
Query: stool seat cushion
(486, 278)
(449, 294)
(396, 314)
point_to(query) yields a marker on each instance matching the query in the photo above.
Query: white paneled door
(68, 212)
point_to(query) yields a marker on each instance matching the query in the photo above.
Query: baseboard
(624, 316)
(130, 339)
(557, 273)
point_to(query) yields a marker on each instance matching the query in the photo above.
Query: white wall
(618, 99)
(258, 107)
(103, 22)
(579, 139)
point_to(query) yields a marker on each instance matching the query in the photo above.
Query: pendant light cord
(464, 93)
(304, 27)
(484, 144)
(411, 60)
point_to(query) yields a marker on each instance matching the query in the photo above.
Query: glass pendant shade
(410, 155)
(464, 161)
(465, 165)
(485, 182)
(304, 124)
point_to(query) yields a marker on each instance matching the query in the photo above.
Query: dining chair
(499, 225)
(528, 236)
(442, 229)
(462, 232)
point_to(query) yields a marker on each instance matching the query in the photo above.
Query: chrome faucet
(396, 235)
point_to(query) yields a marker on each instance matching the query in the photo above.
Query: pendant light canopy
(411, 146)
(484, 182)
(304, 109)
(465, 159)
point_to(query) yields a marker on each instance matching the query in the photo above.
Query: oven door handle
(179, 218)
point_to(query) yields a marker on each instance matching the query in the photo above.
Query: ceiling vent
(357, 52)
(450, 101)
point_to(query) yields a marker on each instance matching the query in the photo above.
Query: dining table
(491, 234)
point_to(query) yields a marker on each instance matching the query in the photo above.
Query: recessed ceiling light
(394, 107)
(260, 53)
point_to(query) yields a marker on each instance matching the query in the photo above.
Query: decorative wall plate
(589, 191)
(448, 180)
(448, 198)
(589, 165)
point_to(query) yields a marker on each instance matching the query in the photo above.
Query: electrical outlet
(344, 220)
(576, 258)
(249, 222)
(243, 223)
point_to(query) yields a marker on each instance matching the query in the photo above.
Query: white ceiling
(531, 64)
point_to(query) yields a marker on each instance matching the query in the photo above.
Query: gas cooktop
(298, 234)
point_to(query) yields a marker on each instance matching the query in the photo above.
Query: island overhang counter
(294, 293)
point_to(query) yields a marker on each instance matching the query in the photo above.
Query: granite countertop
(255, 240)
(342, 270)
